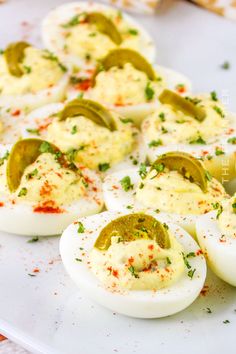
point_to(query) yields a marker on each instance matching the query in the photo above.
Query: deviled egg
(134, 264)
(199, 125)
(82, 33)
(30, 77)
(216, 233)
(176, 184)
(42, 192)
(87, 133)
(126, 82)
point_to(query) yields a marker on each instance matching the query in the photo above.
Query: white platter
(46, 313)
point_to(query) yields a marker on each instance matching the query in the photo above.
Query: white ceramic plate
(47, 313)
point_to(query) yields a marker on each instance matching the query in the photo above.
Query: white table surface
(46, 313)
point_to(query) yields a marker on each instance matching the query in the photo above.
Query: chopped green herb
(141, 185)
(226, 321)
(132, 271)
(46, 147)
(180, 121)
(81, 228)
(51, 56)
(232, 140)
(225, 65)
(219, 151)
(133, 31)
(103, 166)
(32, 174)
(71, 154)
(164, 130)
(190, 254)
(74, 21)
(159, 167)
(78, 259)
(92, 34)
(219, 111)
(155, 143)
(126, 120)
(22, 192)
(208, 310)
(129, 207)
(217, 206)
(149, 92)
(214, 96)
(28, 69)
(126, 183)
(33, 131)
(33, 240)
(198, 140)
(166, 226)
(74, 130)
(168, 260)
(162, 117)
(142, 170)
(191, 273)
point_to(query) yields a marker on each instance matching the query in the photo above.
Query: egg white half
(141, 304)
(220, 251)
(20, 218)
(139, 112)
(40, 118)
(116, 199)
(52, 31)
(31, 101)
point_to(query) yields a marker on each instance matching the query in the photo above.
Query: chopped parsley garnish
(234, 206)
(155, 143)
(28, 69)
(103, 166)
(126, 120)
(232, 140)
(186, 261)
(149, 92)
(22, 192)
(142, 170)
(46, 147)
(191, 273)
(74, 21)
(166, 226)
(198, 140)
(164, 130)
(51, 56)
(141, 185)
(78, 259)
(126, 183)
(214, 96)
(226, 321)
(217, 206)
(219, 111)
(80, 228)
(32, 174)
(180, 121)
(208, 176)
(5, 157)
(208, 310)
(190, 254)
(168, 260)
(219, 151)
(225, 65)
(132, 271)
(129, 207)
(162, 117)
(33, 240)
(159, 167)
(33, 131)
(133, 31)
(74, 130)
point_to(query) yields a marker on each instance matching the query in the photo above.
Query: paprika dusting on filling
(48, 207)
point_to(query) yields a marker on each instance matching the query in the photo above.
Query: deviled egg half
(216, 233)
(176, 184)
(42, 192)
(82, 33)
(126, 82)
(87, 133)
(135, 264)
(199, 125)
(30, 77)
